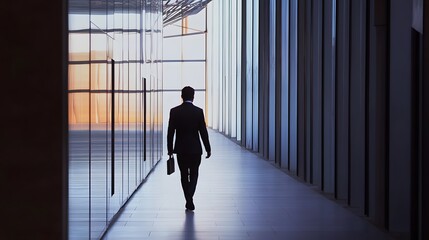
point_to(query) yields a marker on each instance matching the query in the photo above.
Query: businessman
(187, 122)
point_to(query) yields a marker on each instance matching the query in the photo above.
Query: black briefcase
(170, 165)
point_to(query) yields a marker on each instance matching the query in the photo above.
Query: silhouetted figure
(187, 122)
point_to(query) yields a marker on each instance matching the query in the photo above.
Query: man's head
(188, 94)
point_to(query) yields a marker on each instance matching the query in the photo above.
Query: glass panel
(132, 141)
(79, 118)
(233, 65)
(125, 150)
(132, 76)
(79, 165)
(193, 75)
(98, 75)
(78, 21)
(225, 68)
(249, 73)
(173, 29)
(117, 199)
(172, 49)
(239, 39)
(159, 120)
(79, 47)
(139, 137)
(193, 47)
(255, 72)
(172, 75)
(284, 96)
(99, 118)
(272, 82)
(98, 163)
(197, 22)
(148, 124)
(78, 76)
(293, 85)
(121, 162)
(98, 44)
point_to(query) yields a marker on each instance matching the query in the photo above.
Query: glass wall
(115, 108)
(224, 64)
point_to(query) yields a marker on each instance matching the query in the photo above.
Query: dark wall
(424, 141)
(377, 110)
(358, 106)
(400, 116)
(342, 92)
(33, 102)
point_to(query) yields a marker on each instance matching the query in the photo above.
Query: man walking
(187, 122)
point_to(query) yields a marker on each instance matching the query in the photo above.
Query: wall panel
(293, 87)
(377, 113)
(357, 104)
(343, 101)
(400, 117)
(272, 82)
(308, 96)
(316, 92)
(284, 86)
(301, 104)
(328, 88)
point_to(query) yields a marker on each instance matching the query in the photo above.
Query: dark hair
(188, 93)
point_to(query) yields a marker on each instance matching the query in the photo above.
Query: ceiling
(175, 10)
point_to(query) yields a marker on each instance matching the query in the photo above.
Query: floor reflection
(188, 226)
(91, 204)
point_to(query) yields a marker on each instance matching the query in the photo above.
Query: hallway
(239, 196)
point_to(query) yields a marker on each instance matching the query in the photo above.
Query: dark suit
(187, 122)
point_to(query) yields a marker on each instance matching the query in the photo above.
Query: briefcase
(170, 165)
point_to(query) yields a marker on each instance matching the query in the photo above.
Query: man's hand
(208, 154)
(170, 155)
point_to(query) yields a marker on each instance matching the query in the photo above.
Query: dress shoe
(190, 206)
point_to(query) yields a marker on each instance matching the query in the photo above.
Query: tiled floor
(239, 196)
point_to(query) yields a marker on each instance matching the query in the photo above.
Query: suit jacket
(187, 121)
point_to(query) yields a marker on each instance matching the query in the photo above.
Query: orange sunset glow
(97, 110)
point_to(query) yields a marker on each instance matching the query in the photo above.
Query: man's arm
(170, 133)
(204, 135)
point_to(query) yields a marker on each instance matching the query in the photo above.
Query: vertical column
(249, 75)
(308, 96)
(239, 32)
(301, 111)
(357, 104)
(264, 76)
(377, 111)
(316, 91)
(255, 75)
(425, 130)
(293, 86)
(272, 81)
(400, 117)
(278, 81)
(244, 30)
(234, 68)
(284, 86)
(328, 90)
(342, 91)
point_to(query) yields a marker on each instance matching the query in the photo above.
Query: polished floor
(239, 196)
